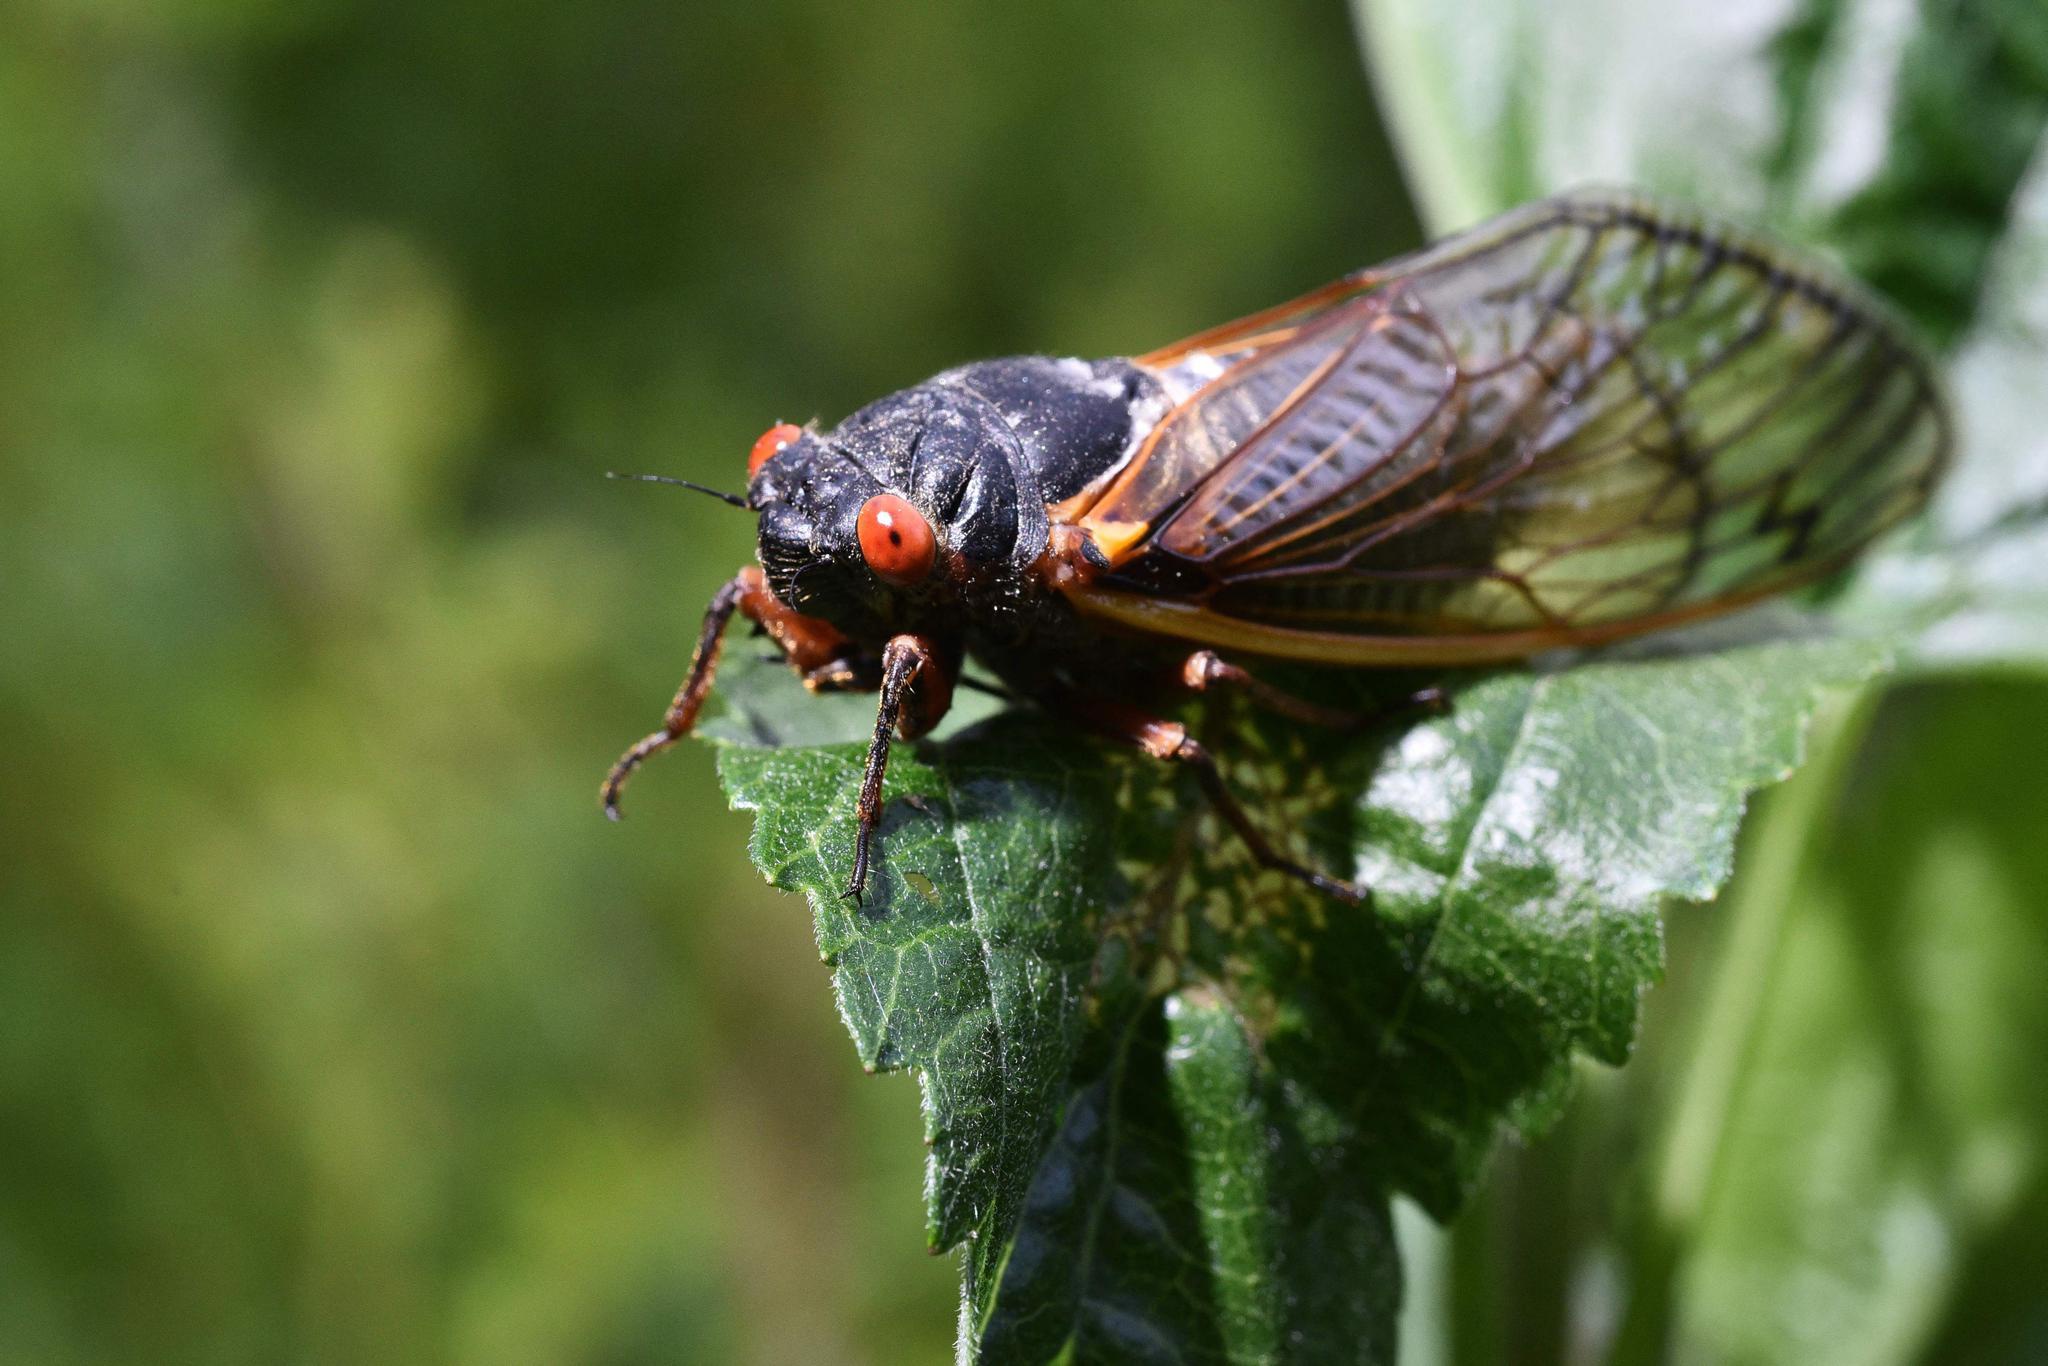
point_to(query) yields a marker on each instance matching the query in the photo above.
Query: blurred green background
(335, 1024)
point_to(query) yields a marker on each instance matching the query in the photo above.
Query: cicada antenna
(719, 494)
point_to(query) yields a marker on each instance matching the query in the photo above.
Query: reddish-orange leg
(915, 677)
(1205, 670)
(819, 653)
(1169, 740)
(689, 699)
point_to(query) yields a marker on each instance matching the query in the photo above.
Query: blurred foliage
(334, 1023)
(1832, 1146)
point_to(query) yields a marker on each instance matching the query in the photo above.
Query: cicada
(1592, 417)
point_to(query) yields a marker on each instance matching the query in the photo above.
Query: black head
(935, 495)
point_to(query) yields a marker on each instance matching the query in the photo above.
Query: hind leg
(1170, 741)
(1207, 671)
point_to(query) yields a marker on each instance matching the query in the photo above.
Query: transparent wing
(1592, 415)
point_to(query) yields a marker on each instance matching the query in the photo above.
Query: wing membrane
(1593, 416)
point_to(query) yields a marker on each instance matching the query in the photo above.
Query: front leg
(816, 650)
(917, 688)
(681, 716)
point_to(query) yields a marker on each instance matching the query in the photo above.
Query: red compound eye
(896, 540)
(771, 441)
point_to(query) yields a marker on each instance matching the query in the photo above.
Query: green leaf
(1189, 1210)
(1060, 934)
(971, 958)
